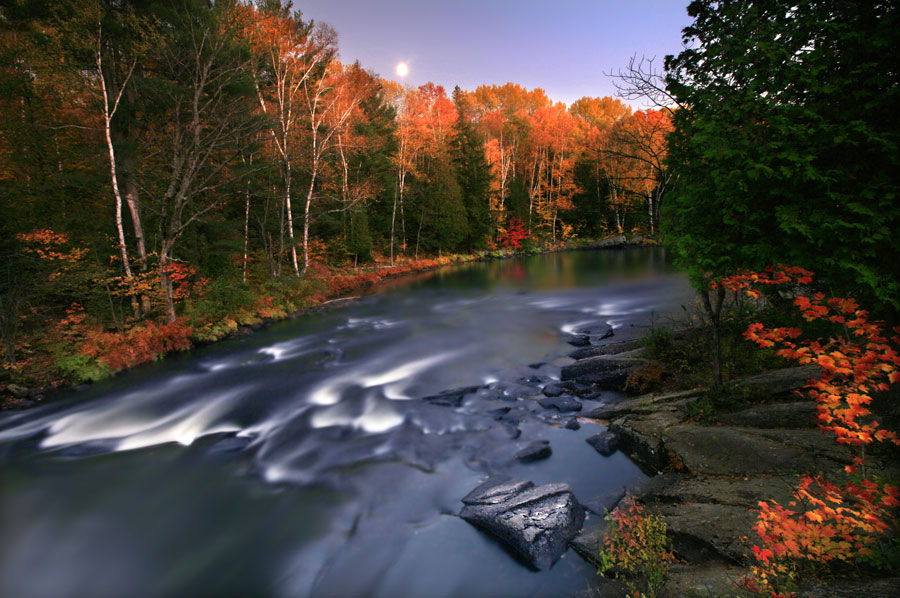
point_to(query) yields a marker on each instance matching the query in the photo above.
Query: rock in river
(554, 389)
(537, 450)
(561, 404)
(604, 443)
(582, 340)
(536, 523)
(604, 371)
(451, 398)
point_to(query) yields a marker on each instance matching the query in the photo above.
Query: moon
(402, 69)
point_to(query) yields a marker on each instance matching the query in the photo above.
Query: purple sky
(563, 46)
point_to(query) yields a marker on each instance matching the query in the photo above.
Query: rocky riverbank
(713, 473)
(708, 475)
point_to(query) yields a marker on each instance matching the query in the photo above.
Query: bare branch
(640, 80)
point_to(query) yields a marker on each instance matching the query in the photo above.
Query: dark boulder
(506, 391)
(798, 414)
(645, 404)
(573, 424)
(588, 542)
(582, 340)
(499, 412)
(581, 390)
(561, 404)
(618, 241)
(774, 382)
(886, 587)
(537, 450)
(599, 505)
(20, 392)
(597, 332)
(605, 443)
(608, 349)
(554, 389)
(496, 489)
(17, 405)
(705, 531)
(536, 523)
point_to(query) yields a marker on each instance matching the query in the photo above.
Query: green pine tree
(441, 214)
(473, 172)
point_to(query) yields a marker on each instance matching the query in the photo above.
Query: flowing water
(301, 461)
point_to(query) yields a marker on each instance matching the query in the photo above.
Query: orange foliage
(826, 522)
(343, 283)
(52, 247)
(636, 547)
(138, 345)
(854, 364)
(183, 280)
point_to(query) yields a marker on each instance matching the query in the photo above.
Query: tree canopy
(786, 145)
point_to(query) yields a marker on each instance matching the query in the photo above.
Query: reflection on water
(301, 461)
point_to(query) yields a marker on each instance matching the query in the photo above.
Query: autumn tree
(503, 114)
(291, 52)
(329, 102)
(410, 141)
(638, 144)
(106, 44)
(54, 174)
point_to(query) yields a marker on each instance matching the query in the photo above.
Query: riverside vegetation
(769, 172)
(837, 522)
(175, 170)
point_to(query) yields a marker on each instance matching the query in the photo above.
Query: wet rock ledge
(713, 474)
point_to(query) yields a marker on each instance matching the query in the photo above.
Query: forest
(177, 169)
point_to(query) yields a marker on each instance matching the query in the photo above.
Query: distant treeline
(226, 139)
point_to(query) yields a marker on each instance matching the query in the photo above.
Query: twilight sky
(563, 46)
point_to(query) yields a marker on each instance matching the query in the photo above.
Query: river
(300, 460)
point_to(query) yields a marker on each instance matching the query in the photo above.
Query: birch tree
(329, 102)
(291, 51)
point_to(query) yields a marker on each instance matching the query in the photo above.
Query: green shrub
(224, 297)
(81, 368)
(636, 549)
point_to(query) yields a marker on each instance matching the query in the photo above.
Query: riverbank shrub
(86, 353)
(851, 523)
(223, 298)
(636, 549)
